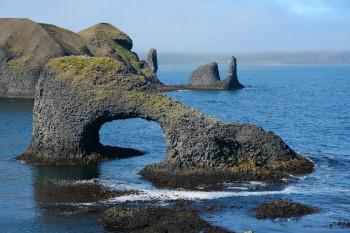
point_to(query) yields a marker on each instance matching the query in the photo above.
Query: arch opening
(125, 137)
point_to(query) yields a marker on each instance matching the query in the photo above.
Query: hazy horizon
(204, 26)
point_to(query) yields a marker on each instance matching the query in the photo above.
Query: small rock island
(208, 77)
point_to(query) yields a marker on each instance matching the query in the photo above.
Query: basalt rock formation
(208, 77)
(26, 47)
(76, 95)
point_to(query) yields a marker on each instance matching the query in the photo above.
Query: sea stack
(208, 77)
(232, 77)
(152, 60)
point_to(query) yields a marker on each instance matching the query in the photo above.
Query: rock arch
(77, 94)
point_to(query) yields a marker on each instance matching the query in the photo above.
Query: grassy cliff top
(101, 76)
(112, 32)
(84, 65)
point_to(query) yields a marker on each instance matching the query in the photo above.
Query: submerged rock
(340, 224)
(282, 209)
(208, 77)
(142, 220)
(76, 95)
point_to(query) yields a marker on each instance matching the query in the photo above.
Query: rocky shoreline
(97, 79)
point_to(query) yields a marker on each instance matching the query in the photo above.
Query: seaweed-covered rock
(149, 220)
(283, 209)
(208, 77)
(25, 47)
(76, 95)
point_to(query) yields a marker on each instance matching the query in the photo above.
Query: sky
(203, 26)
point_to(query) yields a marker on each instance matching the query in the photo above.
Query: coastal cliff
(26, 47)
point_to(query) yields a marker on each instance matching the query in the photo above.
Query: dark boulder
(283, 209)
(156, 219)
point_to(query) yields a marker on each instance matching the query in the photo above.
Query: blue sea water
(308, 106)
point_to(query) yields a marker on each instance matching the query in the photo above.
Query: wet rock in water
(283, 209)
(340, 224)
(77, 95)
(208, 77)
(152, 60)
(149, 220)
(82, 192)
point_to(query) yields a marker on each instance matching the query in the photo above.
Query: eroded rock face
(208, 77)
(76, 95)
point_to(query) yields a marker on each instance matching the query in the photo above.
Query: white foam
(165, 194)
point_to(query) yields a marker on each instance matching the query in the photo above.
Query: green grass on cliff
(129, 57)
(86, 72)
(98, 78)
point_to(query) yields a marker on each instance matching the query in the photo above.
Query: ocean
(307, 105)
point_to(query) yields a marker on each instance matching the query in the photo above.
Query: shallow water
(308, 106)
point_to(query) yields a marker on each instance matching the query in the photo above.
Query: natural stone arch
(76, 95)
